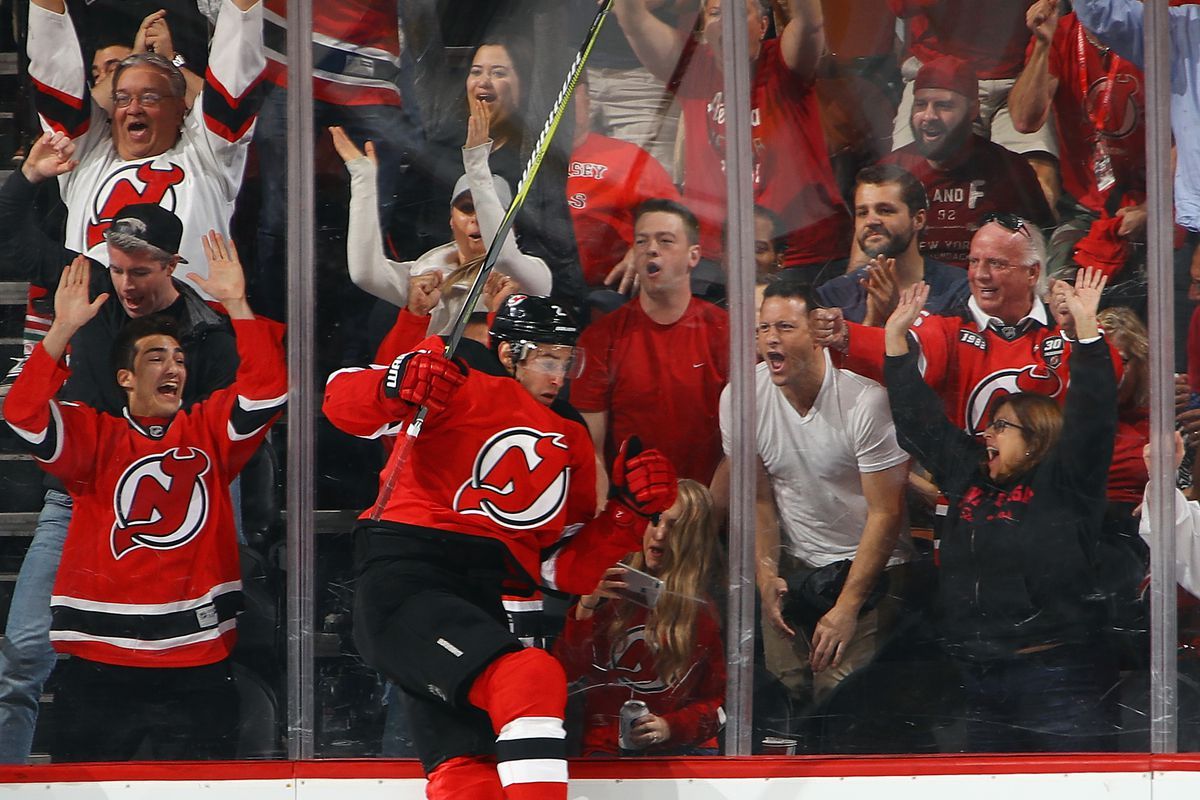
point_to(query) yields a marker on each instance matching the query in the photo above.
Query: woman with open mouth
(1017, 590)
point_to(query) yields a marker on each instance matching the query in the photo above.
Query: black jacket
(1016, 559)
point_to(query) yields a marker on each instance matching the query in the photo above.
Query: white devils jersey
(197, 179)
(150, 574)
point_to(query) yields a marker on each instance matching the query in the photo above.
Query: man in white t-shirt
(830, 488)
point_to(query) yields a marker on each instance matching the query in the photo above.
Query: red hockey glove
(645, 481)
(423, 379)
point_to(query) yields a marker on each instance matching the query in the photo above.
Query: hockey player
(479, 510)
(149, 585)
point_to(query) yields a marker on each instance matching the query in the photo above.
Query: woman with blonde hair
(670, 657)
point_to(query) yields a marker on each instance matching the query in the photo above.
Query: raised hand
(1042, 20)
(478, 124)
(72, 307)
(49, 156)
(829, 328)
(424, 292)
(908, 308)
(144, 39)
(498, 288)
(1083, 299)
(226, 280)
(347, 149)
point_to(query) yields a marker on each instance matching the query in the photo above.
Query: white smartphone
(640, 587)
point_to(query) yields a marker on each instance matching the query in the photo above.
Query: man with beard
(966, 176)
(890, 210)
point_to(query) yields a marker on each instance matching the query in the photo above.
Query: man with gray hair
(142, 250)
(1005, 341)
(154, 149)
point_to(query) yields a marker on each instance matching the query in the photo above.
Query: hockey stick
(540, 148)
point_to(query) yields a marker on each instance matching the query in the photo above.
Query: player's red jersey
(661, 383)
(149, 574)
(792, 174)
(990, 178)
(495, 464)
(606, 180)
(972, 368)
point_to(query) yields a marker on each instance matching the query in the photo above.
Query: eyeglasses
(1000, 425)
(1010, 221)
(148, 99)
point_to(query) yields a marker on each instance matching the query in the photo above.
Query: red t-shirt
(792, 172)
(606, 180)
(990, 35)
(660, 382)
(992, 178)
(1121, 111)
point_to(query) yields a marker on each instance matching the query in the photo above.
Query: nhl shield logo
(520, 479)
(161, 501)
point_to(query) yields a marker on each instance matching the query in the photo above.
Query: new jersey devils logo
(520, 479)
(992, 390)
(136, 183)
(161, 501)
(632, 661)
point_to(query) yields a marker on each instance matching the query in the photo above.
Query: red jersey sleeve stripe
(62, 111)
(225, 115)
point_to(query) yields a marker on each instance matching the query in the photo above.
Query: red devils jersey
(496, 464)
(197, 179)
(972, 370)
(149, 574)
(620, 668)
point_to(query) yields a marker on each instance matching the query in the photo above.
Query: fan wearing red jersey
(497, 496)
(149, 587)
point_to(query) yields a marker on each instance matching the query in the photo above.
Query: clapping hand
(226, 280)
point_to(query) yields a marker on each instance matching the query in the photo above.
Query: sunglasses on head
(1009, 221)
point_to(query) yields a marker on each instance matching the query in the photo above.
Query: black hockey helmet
(528, 318)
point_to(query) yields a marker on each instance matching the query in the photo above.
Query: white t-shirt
(815, 461)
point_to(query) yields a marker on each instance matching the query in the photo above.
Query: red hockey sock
(525, 695)
(471, 777)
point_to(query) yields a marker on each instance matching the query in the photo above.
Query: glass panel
(649, 365)
(169, 561)
(979, 601)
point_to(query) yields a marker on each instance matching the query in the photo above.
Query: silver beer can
(631, 712)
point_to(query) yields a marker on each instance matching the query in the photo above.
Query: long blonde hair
(691, 572)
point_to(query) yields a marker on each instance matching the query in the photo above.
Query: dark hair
(662, 205)
(790, 287)
(519, 52)
(1041, 418)
(125, 348)
(911, 191)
